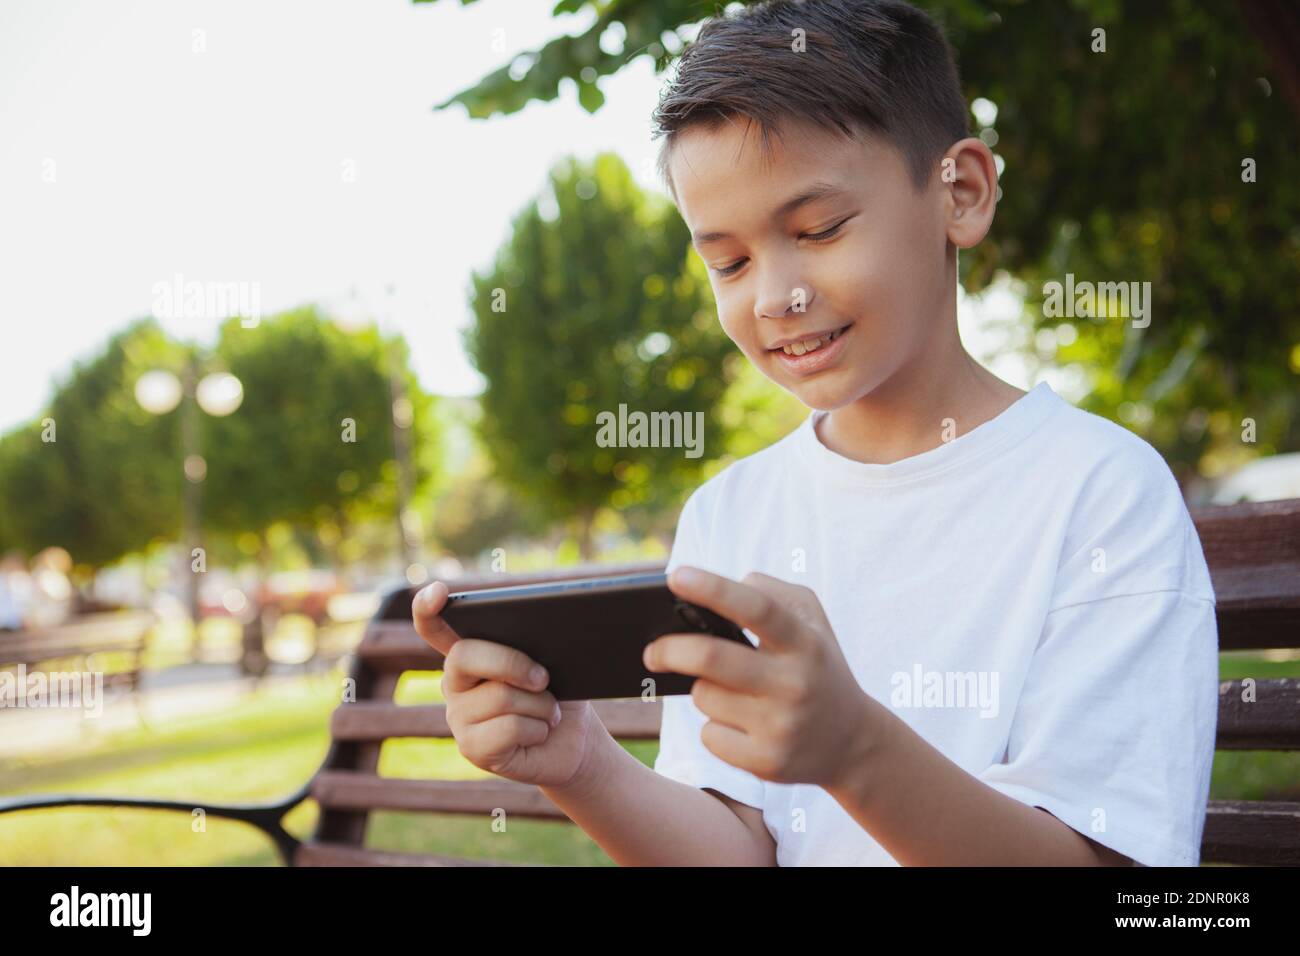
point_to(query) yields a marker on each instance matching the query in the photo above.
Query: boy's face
(867, 263)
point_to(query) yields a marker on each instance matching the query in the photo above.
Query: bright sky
(227, 165)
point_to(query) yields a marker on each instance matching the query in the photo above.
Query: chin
(823, 397)
(825, 392)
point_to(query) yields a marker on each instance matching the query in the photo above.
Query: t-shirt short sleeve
(682, 756)
(1114, 730)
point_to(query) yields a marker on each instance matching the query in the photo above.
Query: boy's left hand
(789, 711)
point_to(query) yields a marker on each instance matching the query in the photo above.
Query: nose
(780, 296)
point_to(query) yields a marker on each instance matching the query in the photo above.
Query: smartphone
(590, 633)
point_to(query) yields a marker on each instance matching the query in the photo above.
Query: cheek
(855, 281)
(916, 259)
(735, 325)
(875, 278)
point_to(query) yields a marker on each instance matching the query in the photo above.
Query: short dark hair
(878, 65)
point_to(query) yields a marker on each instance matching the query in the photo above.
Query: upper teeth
(808, 345)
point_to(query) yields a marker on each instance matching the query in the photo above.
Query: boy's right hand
(504, 721)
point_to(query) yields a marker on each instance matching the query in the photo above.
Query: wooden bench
(1253, 551)
(84, 644)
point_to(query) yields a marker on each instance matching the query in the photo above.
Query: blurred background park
(254, 372)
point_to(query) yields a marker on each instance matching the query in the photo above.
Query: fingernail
(648, 657)
(555, 717)
(538, 675)
(687, 576)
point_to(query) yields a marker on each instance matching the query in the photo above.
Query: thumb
(425, 612)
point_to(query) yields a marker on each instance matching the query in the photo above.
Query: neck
(905, 415)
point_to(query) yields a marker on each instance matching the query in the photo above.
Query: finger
(492, 741)
(734, 747)
(713, 658)
(799, 599)
(744, 712)
(747, 606)
(471, 661)
(425, 611)
(492, 698)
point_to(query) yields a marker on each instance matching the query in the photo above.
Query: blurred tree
(477, 513)
(1123, 165)
(33, 476)
(592, 305)
(424, 431)
(1128, 165)
(755, 411)
(97, 474)
(101, 477)
(312, 443)
(311, 449)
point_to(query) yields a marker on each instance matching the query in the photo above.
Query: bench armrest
(265, 816)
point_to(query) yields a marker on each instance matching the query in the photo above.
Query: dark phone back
(589, 634)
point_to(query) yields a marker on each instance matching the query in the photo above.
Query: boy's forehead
(715, 169)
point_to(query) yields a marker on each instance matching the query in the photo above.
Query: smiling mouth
(812, 344)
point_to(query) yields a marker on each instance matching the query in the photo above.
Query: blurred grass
(263, 749)
(270, 744)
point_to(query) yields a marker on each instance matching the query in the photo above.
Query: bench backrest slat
(98, 633)
(1253, 553)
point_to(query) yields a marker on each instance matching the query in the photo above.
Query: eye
(824, 236)
(828, 234)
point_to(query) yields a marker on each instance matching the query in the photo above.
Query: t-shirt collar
(1013, 422)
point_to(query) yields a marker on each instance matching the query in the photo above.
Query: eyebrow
(813, 193)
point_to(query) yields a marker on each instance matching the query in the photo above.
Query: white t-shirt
(1030, 597)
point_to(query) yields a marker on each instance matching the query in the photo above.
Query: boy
(985, 626)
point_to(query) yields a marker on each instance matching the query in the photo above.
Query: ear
(970, 180)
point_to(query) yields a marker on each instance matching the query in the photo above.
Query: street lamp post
(402, 419)
(218, 394)
(196, 470)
